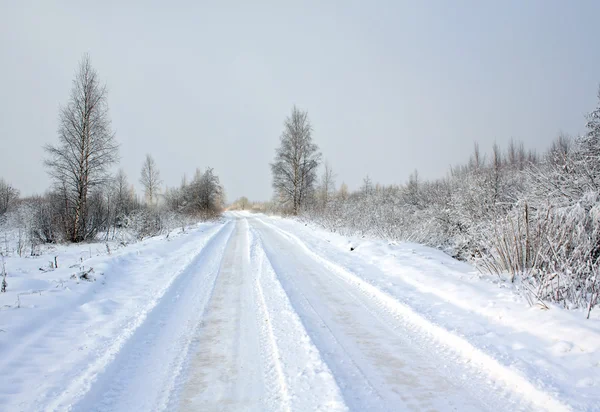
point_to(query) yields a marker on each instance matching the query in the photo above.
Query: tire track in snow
(132, 374)
(361, 358)
(59, 368)
(303, 380)
(511, 380)
(277, 394)
(225, 368)
(43, 327)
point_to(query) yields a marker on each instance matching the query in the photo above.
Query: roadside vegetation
(531, 218)
(90, 199)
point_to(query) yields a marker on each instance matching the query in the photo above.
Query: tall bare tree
(327, 185)
(413, 189)
(367, 187)
(8, 196)
(85, 152)
(123, 199)
(296, 161)
(211, 193)
(150, 179)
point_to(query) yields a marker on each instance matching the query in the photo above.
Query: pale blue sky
(389, 86)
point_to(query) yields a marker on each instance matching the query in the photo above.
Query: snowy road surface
(247, 316)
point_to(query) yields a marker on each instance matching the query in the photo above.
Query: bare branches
(150, 179)
(326, 188)
(85, 152)
(533, 222)
(296, 161)
(8, 196)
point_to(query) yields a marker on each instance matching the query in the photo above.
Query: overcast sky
(389, 86)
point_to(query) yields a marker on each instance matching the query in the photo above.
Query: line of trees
(87, 201)
(534, 218)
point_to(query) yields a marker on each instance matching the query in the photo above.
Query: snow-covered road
(377, 363)
(247, 316)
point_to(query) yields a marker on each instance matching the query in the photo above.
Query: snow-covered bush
(536, 219)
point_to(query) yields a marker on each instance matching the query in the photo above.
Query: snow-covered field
(269, 314)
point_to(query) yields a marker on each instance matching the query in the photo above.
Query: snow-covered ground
(269, 314)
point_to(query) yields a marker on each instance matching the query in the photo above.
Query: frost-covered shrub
(534, 218)
(146, 222)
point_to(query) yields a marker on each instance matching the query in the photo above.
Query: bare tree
(211, 191)
(413, 189)
(296, 161)
(476, 161)
(367, 187)
(192, 194)
(512, 153)
(123, 193)
(123, 198)
(8, 196)
(327, 186)
(150, 179)
(85, 152)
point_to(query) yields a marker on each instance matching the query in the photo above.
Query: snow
(556, 350)
(270, 314)
(60, 338)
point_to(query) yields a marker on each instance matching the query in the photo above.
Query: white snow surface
(259, 313)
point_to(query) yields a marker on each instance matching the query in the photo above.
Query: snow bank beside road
(557, 351)
(68, 329)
